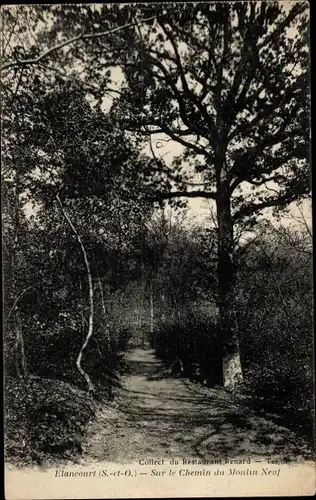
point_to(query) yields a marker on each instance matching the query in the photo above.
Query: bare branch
(298, 244)
(303, 218)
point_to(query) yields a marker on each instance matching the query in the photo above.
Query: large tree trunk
(91, 299)
(232, 371)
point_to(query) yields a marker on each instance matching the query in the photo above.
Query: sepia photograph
(157, 250)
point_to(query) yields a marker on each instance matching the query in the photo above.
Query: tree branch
(304, 220)
(270, 164)
(69, 77)
(184, 82)
(192, 127)
(186, 194)
(297, 9)
(252, 208)
(170, 177)
(15, 303)
(194, 147)
(268, 110)
(187, 90)
(178, 132)
(82, 36)
(238, 181)
(188, 183)
(5, 45)
(175, 137)
(243, 59)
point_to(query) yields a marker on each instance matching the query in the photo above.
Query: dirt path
(158, 416)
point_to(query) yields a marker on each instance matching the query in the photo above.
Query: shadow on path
(156, 416)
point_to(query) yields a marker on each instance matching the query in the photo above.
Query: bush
(275, 323)
(44, 417)
(47, 413)
(193, 339)
(53, 355)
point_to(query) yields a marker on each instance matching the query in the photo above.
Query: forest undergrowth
(46, 418)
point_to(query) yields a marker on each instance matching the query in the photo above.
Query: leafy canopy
(228, 82)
